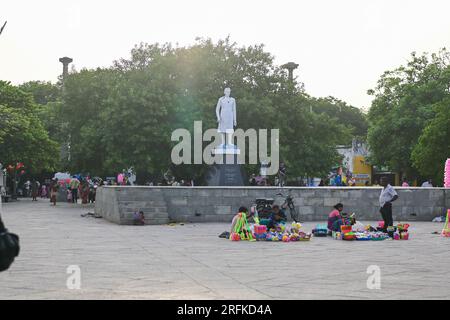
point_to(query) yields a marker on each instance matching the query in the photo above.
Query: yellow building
(362, 171)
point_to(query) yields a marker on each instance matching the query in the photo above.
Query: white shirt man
(386, 195)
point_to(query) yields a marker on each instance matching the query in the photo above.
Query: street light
(290, 66)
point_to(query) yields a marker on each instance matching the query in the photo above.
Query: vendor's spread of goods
(446, 230)
(283, 232)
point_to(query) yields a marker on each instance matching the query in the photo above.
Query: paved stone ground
(191, 262)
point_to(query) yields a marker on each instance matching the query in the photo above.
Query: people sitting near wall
(337, 218)
(139, 218)
(237, 216)
(277, 217)
(343, 220)
(240, 228)
(335, 215)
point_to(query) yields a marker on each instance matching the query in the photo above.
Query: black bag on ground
(9, 247)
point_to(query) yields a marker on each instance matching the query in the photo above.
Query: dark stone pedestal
(230, 173)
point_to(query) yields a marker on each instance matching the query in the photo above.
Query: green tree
(43, 92)
(433, 147)
(22, 135)
(402, 107)
(124, 115)
(353, 118)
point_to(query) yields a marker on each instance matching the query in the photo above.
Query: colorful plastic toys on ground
(281, 233)
(321, 230)
(402, 232)
(242, 229)
(348, 234)
(446, 230)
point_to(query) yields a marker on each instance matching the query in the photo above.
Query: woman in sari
(84, 188)
(54, 186)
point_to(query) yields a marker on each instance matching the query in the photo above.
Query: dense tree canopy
(123, 116)
(23, 138)
(353, 118)
(433, 147)
(108, 119)
(407, 101)
(42, 92)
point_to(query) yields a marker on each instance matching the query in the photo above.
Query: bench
(5, 198)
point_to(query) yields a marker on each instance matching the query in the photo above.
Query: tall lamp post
(290, 66)
(65, 61)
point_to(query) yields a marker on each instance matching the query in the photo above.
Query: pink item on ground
(235, 237)
(260, 229)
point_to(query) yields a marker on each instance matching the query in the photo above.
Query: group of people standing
(83, 188)
(75, 189)
(35, 189)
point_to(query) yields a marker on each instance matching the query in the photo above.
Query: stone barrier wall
(219, 204)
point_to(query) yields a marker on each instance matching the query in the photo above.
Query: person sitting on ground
(277, 217)
(343, 220)
(335, 215)
(237, 216)
(241, 227)
(139, 218)
(337, 218)
(226, 234)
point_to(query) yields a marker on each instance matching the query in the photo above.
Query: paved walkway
(191, 262)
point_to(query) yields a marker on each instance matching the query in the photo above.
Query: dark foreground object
(9, 247)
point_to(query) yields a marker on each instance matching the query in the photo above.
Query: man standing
(387, 196)
(34, 190)
(74, 184)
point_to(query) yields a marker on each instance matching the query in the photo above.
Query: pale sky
(342, 46)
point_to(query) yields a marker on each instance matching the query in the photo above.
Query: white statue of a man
(226, 116)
